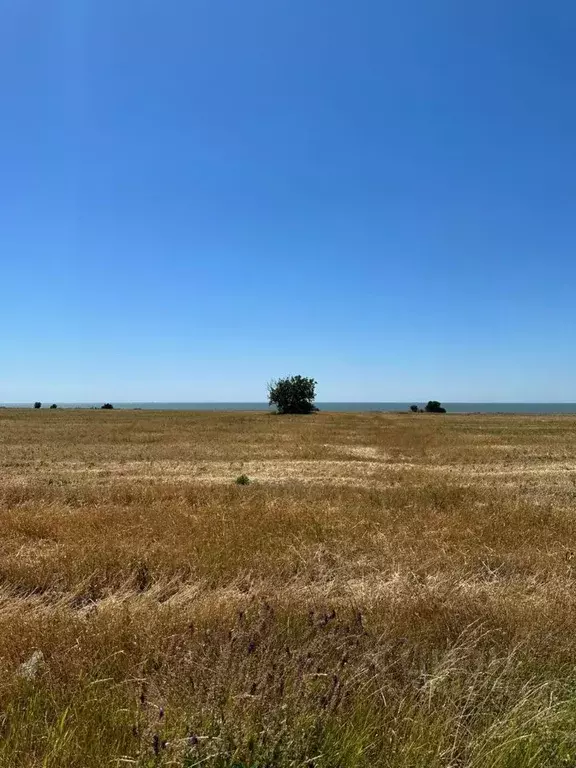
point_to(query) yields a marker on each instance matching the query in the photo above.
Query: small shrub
(107, 407)
(53, 406)
(243, 480)
(37, 404)
(414, 408)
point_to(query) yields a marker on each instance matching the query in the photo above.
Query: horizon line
(263, 402)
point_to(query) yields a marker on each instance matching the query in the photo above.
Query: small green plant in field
(37, 404)
(107, 407)
(53, 406)
(243, 480)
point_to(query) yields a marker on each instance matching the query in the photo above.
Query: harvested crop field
(387, 590)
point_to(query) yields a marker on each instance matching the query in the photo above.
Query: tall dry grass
(387, 591)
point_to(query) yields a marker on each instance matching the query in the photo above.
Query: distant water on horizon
(341, 407)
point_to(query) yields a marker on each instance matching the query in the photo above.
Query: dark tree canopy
(107, 407)
(433, 406)
(293, 394)
(53, 405)
(414, 408)
(37, 404)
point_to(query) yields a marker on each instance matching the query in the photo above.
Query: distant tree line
(106, 406)
(296, 395)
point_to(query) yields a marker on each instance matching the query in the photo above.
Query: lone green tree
(293, 394)
(433, 406)
(37, 404)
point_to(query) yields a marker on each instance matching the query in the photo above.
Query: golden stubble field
(389, 590)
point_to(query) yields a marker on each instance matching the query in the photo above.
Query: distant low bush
(414, 408)
(37, 404)
(53, 406)
(433, 406)
(107, 407)
(243, 480)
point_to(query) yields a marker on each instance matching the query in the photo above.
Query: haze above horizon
(200, 196)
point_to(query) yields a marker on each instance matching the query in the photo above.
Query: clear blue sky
(199, 195)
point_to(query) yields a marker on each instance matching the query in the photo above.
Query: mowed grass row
(409, 602)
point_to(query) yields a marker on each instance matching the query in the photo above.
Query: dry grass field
(389, 590)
